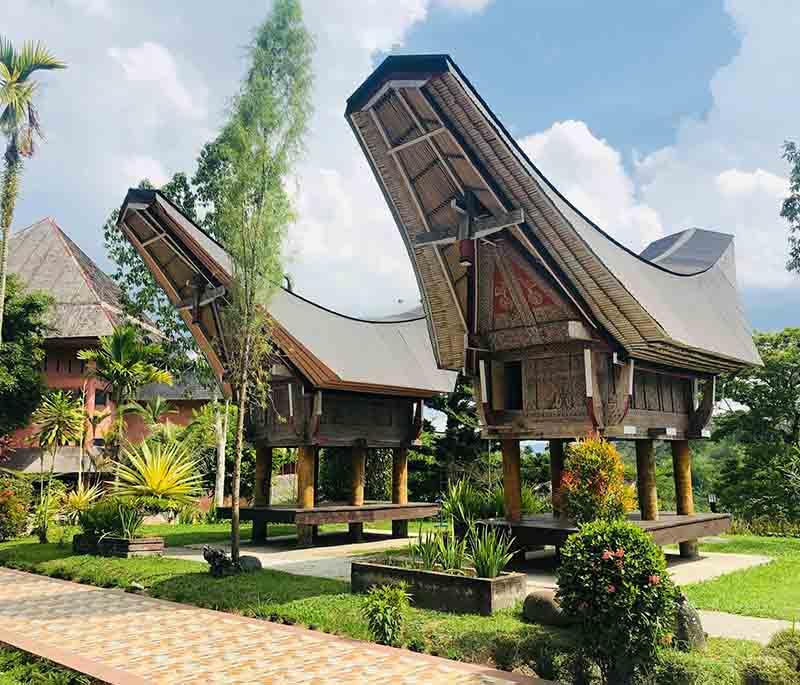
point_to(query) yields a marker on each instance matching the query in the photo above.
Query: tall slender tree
(260, 144)
(19, 124)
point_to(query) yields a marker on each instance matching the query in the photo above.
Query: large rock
(689, 635)
(249, 563)
(542, 607)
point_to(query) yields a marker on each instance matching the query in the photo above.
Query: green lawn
(503, 640)
(21, 668)
(770, 591)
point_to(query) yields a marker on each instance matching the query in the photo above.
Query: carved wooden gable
(518, 305)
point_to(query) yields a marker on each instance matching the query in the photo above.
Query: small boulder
(542, 607)
(689, 635)
(248, 563)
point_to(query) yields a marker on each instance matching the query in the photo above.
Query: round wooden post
(556, 471)
(512, 480)
(646, 480)
(400, 488)
(305, 491)
(357, 488)
(261, 488)
(684, 498)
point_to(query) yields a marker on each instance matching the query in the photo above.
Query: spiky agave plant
(160, 475)
(79, 500)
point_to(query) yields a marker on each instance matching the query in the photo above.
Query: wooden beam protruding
(512, 479)
(646, 480)
(701, 414)
(684, 497)
(620, 401)
(480, 228)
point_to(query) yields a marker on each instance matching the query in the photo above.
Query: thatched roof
(87, 301)
(331, 350)
(429, 137)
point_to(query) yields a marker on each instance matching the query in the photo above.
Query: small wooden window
(513, 383)
(100, 398)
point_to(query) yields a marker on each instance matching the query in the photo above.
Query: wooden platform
(335, 513)
(543, 529)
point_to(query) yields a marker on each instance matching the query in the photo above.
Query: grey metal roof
(690, 251)
(186, 388)
(87, 301)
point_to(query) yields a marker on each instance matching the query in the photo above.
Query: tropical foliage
(385, 608)
(21, 355)
(593, 483)
(115, 516)
(790, 210)
(160, 475)
(490, 551)
(15, 500)
(613, 583)
(79, 500)
(19, 124)
(464, 502)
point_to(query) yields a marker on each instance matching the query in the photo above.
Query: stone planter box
(122, 547)
(443, 591)
(84, 544)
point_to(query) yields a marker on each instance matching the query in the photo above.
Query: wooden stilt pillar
(305, 491)
(684, 498)
(315, 529)
(556, 470)
(357, 488)
(512, 480)
(646, 480)
(261, 488)
(400, 488)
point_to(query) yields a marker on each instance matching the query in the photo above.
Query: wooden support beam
(646, 480)
(305, 491)
(479, 228)
(359, 456)
(400, 488)
(261, 488)
(512, 480)
(425, 136)
(684, 498)
(556, 471)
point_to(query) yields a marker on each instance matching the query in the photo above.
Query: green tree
(21, 355)
(124, 362)
(790, 210)
(766, 398)
(60, 420)
(261, 143)
(19, 124)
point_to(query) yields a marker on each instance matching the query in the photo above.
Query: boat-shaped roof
(331, 350)
(430, 138)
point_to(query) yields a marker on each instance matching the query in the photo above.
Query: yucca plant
(452, 553)
(490, 551)
(462, 503)
(425, 550)
(80, 500)
(162, 476)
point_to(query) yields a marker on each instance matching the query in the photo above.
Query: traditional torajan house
(564, 330)
(335, 380)
(87, 304)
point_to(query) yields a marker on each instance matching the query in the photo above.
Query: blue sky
(651, 117)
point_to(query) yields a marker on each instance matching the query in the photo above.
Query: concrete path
(720, 624)
(127, 639)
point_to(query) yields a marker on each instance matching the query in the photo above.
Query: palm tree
(60, 419)
(154, 410)
(123, 363)
(19, 123)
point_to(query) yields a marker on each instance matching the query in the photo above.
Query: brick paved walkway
(128, 639)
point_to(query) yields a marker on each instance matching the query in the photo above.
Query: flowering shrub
(15, 498)
(593, 483)
(613, 582)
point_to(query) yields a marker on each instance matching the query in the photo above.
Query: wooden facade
(335, 381)
(564, 331)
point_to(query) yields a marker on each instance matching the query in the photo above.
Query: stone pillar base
(356, 531)
(305, 535)
(399, 529)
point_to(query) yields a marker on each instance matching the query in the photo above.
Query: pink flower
(654, 580)
(620, 553)
(607, 555)
(583, 606)
(611, 589)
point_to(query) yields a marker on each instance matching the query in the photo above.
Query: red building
(87, 306)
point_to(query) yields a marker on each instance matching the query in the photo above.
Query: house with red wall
(87, 305)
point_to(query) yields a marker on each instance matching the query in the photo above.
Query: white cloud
(153, 64)
(465, 5)
(134, 169)
(735, 182)
(99, 8)
(590, 173)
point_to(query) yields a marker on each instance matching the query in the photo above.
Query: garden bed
(455, 593)
(111, 546)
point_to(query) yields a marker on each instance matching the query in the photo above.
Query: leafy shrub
(15, 498)
(112, 516)
(767, 669)
(384, 608)
(693, 668)
(786, 645)
(79, 500)
(765, 526)
(490, 551)
(452, 553)
(464, 503)
(613, 583)
(593, 483)
(425, 551)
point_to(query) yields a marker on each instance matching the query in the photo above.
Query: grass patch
(20, 668)
(768, 591)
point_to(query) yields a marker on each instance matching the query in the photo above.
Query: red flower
(611, 589)
(620, 553)
(654, 580)
(607, 555)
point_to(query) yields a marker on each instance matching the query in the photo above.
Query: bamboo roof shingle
(430, 139)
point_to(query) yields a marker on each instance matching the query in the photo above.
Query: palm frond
(34, 56)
